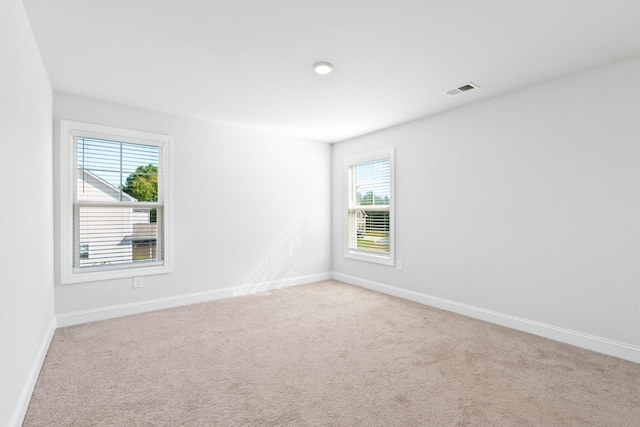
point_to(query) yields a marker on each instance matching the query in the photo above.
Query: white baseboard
(30, 384)
(579, 339)
(102, 313)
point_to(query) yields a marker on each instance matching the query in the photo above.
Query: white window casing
(106, 232)
(370, 231)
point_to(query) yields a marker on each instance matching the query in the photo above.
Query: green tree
(143, 186)
(369, 199)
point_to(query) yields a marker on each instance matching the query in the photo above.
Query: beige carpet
(325, 354)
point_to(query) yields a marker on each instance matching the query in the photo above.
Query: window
(84, 251)
(370, 231)
(114, 202)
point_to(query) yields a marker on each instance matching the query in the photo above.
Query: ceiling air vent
(460, 89)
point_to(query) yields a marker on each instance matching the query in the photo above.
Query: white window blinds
(118, 204)
(370, 207)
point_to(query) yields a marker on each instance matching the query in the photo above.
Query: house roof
(105, 186)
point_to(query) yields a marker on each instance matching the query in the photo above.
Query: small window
(114, 188)
(84, 251)
(370, 231)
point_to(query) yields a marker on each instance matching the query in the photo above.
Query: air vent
(460, 89)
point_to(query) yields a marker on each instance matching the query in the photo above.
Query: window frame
(350, 162)
(68, 131)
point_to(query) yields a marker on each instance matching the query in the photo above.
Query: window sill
(72, 277)
(370, 257)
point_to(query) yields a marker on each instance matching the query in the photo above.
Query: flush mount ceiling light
(322, 67)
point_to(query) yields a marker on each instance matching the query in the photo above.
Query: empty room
(339, 213)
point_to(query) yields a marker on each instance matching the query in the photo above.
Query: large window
(370, 231)
(114, 202)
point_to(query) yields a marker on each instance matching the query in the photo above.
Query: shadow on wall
(277, 264)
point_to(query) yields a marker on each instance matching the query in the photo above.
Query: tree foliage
(142, 185)
(368, 199)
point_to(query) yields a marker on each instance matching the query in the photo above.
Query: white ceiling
(248, 62)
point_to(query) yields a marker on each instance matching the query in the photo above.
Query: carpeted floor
(325, 354)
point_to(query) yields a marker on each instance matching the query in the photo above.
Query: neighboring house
(361, 224)
(144, 237)
(111, 234)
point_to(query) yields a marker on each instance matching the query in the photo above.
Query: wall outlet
(137, 282)
(321, 254)
(399, 265)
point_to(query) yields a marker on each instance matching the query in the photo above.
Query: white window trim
(69, 129)
(362, 255)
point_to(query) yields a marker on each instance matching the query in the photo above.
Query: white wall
(248, 208)
(26, 218)
(526, 205)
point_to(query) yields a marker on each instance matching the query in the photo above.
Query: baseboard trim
(579, 339)
(20, 410)
(103, 313)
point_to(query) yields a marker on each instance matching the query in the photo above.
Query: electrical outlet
(399, 265)
(137, 282)
(321, 254)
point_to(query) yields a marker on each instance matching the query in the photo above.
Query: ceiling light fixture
(322, 67)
